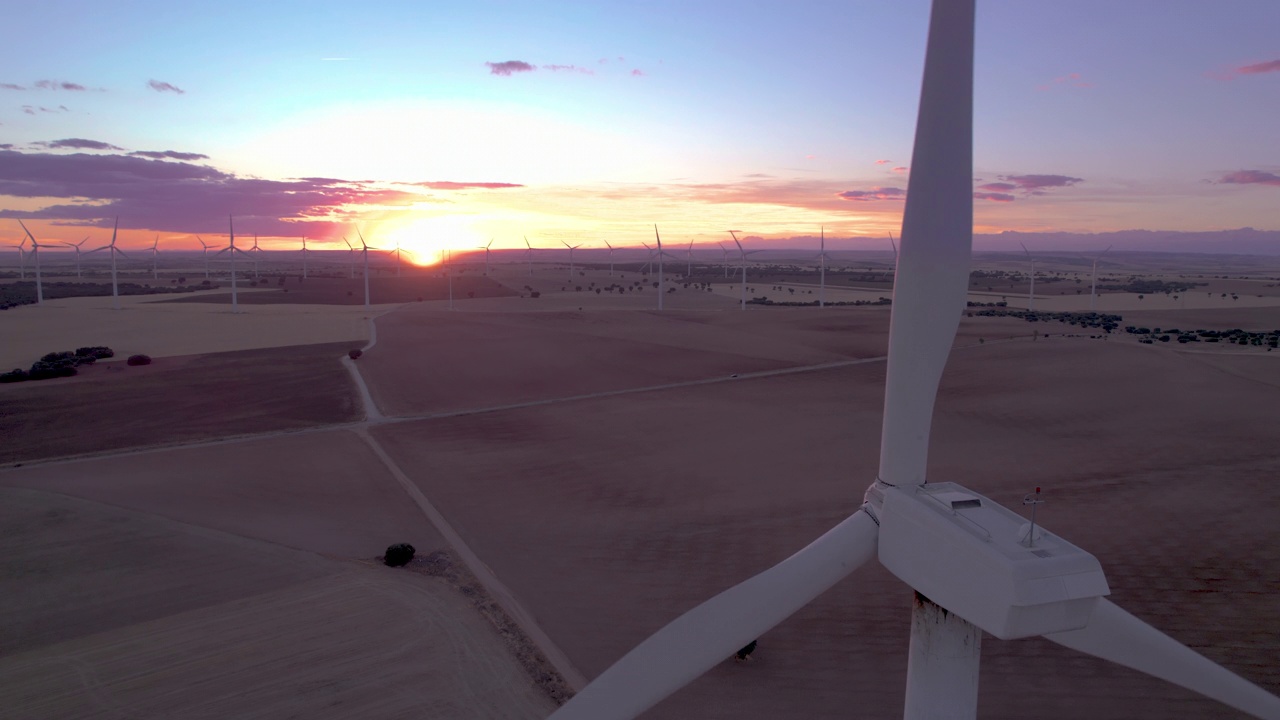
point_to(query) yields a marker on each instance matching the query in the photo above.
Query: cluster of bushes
(764, 300)
(58, 364)
(1146, 286)
(1105, 322)
(24, 293)
(1236, 336)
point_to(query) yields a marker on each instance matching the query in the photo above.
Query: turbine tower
(486, 255)
(724, 260)
(77, 248)
(304, 257)
(113, 251)
(397, 258)
(35, 253)
(822, 267)
(155, 260)
(528, 254)
(744, 253)
(253, 253)
(689, 265)
(989, 570)
(1093, 286)
(571, 249)
(606, 242)
(449, 272)
(1031, 294)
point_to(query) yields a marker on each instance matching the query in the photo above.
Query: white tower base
(942, 667)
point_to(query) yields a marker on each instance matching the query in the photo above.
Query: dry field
(416, 286)
(608, 512)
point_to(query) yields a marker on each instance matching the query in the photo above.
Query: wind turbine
(397, 258)
(1093, 286)
(571, 249)
(648, 262)
(204, 251)
(893, 245)
(822, 260)
(725, 259)
(232, 250)
(744, 254)
(155, 262)
(689, 266)
(351, 259)
(661, 252)
(35, 253)
(304, 257)
(22, 258)
(77, 247)
(113, 251)
(486, 255)
(989, 570)
(606, 242)
(449, 272)
(1031, 294)
(253, 253)
(528, 254)
(364, 250)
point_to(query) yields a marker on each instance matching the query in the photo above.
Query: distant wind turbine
(606, 242)
(571, 249)
(486, 255)
(744, 254)
(304, 257)
(528, 254)
(364, 250)
(113, 251)
(254, 252)
(155, 261)
(449, 272)
(822, 267)
(22, 258)
(77, 248)
(397, 251)
(1093, 286)
(231, 250)
(204, 250)
(351, 259)
(1031, 294)
(35, 253)
(689, 265)
(724, 260)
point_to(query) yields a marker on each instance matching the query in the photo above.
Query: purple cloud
(179, 196)
(879, 193)
(509, 67)
(637, 72)
(998, 187)
(900, 169)
(993, 196)
(77, 144)
(168, 155)
(11, 86)
(883, 162)
(33, 109)
(1256, 69)
(569, 68)
(59, 85)
(1027, 183)
(1250, 177)
(449, 185)
(160, 86)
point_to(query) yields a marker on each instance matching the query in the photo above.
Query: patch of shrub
(355, 354)
(399, 554)
(15, 375)
(139, 360)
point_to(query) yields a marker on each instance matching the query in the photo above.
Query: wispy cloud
(179, 196)
(60, 85)
(879, 193)
(168, 155)
(994, 196)
(569, 68)
(509, 67)
(637, 72)
(883, 162)
(1250, 177)
(76, 144)
(900, 169)
(33, 109)
(161, 86)
(450, 185)
(1258, 68)
(11, 86)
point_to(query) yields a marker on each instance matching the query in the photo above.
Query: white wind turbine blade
(709, 633)
(1115, 635)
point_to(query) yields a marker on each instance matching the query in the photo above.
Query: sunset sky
(445, 125)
